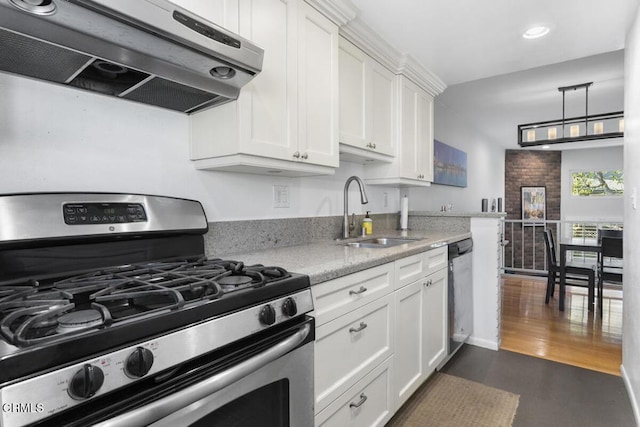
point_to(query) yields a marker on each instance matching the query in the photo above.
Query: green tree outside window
(600, 183)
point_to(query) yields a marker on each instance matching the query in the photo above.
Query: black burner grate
(29, 313)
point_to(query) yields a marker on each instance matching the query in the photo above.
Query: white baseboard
(632, 395)
(480, 342)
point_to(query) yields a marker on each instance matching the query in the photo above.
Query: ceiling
(497, 79)
(464, 40)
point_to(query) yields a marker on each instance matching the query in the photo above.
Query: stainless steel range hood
(149, 51)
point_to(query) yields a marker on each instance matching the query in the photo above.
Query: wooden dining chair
(579, 273)
(610, 267)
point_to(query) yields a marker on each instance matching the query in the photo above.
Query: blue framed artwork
(449, 165)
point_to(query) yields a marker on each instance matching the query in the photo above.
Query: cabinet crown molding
(421, 75)
(367, 39)
(339, 11)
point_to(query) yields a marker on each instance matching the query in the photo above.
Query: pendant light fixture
(573, 129)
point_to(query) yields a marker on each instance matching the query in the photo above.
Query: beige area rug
(445, 400)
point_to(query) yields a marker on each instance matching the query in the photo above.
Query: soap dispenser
(367, 224)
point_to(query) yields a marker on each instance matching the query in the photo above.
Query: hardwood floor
(575, 337)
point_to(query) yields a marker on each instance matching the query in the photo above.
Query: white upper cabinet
(416, 136)
(318, 88)
(366, 107)
(285, 121)
(413, 164)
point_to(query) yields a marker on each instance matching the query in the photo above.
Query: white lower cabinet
(409, 352)
(380, 333)
(435, 319)
(350, 346)
(369, 403)
(421, 332)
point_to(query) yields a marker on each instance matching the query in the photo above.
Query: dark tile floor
(551, 394)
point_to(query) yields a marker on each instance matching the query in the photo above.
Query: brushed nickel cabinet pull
(363, 398)
(362, 327)
(305, 156)
(296, 155)
(359, 291)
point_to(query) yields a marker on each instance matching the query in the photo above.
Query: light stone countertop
(324, 260)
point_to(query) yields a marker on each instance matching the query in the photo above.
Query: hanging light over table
(584, 128)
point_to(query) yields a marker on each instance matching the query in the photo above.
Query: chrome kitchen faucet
(346, 227)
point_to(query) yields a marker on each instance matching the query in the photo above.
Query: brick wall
(524, 168)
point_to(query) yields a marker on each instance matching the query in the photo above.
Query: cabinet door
(268, 104)
(317, 88)
(263, 121)
(435, 320)
(381, 111)
(409, 331)
(425, 135)
(410, 166)
(354, 129)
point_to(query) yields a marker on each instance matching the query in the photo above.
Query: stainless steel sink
(381, 242)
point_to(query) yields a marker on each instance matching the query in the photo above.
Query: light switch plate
(281, 196)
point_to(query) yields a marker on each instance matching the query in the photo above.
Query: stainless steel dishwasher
(460, 295)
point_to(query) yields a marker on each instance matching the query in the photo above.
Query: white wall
(631, 302)
(485, 165)
(54, 138)
(591, 208)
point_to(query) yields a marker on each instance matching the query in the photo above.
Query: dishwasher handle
(460, 248)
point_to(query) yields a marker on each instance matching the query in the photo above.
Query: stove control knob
(86, 382)
(289, 307)
(138, 363)
(267, 315)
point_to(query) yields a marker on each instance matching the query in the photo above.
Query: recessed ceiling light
(535, 32)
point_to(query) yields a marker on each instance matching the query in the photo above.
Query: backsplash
(243, 236)
(228, 237)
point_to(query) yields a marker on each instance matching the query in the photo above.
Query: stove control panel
(103, 213)
(80, 382)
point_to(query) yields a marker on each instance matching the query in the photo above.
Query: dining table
(570, 244)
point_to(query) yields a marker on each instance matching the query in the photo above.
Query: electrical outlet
(281, 196)
(386, 200)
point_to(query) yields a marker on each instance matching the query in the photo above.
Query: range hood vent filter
(37, 59)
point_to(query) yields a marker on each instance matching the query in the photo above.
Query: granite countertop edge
(324, 260)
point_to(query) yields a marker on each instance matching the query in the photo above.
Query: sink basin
(380, 242)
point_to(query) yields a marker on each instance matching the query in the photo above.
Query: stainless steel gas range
(110, 314)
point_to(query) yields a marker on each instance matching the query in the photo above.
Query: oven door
(263, 380)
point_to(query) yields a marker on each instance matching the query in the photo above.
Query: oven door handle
(169, 404)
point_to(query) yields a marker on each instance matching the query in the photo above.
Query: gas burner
(45, 323)
(78, 320)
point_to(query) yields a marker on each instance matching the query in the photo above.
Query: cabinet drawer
(410, 269)
(339, 296)
(349, 347)
(436, 259)
(368, 403)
